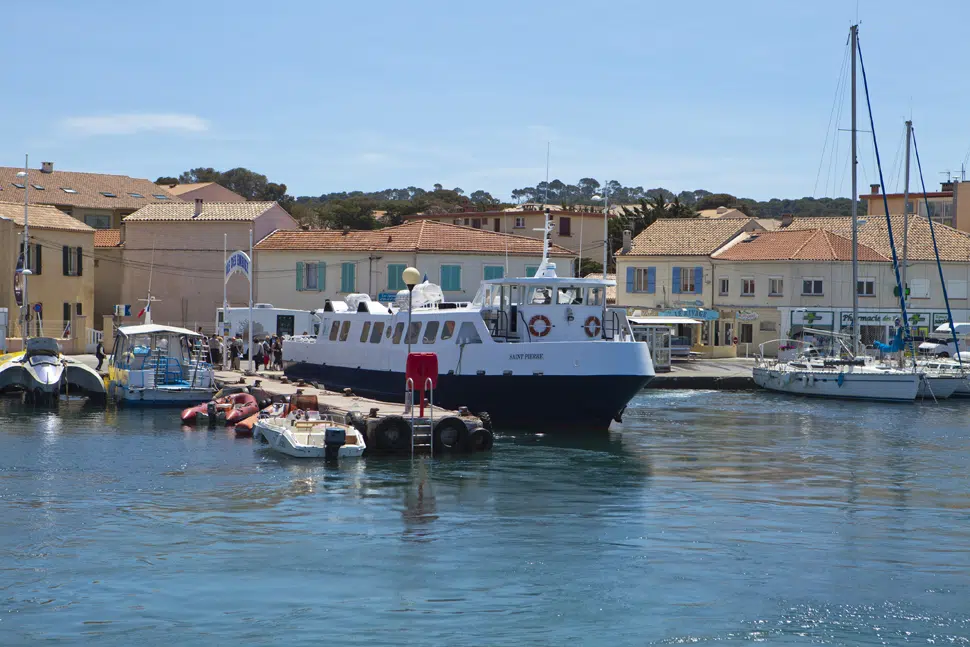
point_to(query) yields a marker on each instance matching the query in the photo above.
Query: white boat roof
(962, 328)
(550, 280)
(154, 329)
(663, 321)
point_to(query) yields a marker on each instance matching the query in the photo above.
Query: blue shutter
(321, 276)
(630, 272)
(675, 288)
(299, 276)
(651, 280)
(698, 280)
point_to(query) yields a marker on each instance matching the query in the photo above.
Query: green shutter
(494, 272)
(348, 277)
(451, 278)
(530, 270)
(321, 276)
(299, 276)
(395, 280)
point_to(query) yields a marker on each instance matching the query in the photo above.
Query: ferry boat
(159, 365)
(534, 353)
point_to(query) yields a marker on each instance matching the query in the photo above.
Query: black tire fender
(486, 421)
(480, 440)
(392, 434)
(451, 435)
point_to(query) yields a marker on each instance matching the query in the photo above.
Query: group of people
(267, 352)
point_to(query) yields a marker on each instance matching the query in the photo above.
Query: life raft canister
(546, 326)
(592, 326)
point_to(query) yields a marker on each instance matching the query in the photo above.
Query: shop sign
(812, 318)
(746, 315)
(885, 318)
(940, 319)
(692, 313)
(696, 302)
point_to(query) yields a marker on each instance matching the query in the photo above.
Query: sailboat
(849, 375)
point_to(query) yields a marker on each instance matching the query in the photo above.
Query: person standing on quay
(99, 353)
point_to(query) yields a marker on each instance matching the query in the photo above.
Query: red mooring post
(420, 367)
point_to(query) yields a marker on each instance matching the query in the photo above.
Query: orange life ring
(594, 330)
(547, 326)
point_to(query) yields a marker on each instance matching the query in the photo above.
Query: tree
(715, 200)
(588, 187)
(585, 266)
(167, 181)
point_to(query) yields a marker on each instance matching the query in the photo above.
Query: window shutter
(651, 280)
(630, 273)
(299, 276)
(698, 280)
(675, 288)
(67, 312)
(37, 249)
(80, 258)
(321, 276)
(65, 252)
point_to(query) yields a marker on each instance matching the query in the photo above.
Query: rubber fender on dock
(480, 440)
(392, 435)
(486, 421)
(451, 435)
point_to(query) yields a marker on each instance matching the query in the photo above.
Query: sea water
(704, 518)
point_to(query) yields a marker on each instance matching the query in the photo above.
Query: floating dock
(718, 375)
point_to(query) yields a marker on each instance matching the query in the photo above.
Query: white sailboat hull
(940, 387)
(850, 385)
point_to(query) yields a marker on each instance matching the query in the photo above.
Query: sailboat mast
(909, 139)
(854, 31)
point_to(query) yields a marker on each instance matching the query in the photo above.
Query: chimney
(946, 186)
(346, 229)
(786, 219)
(198, 207)
(47, 167)
(627, 241)
(874, 189)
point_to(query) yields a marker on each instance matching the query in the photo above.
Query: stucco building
(178, 249)
(61, 287)
(949, 206)
(100, 200)
(301, 269)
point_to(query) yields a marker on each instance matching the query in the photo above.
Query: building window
(919, 288)
(18, 185)
(136, 195)
(956, 289)
(776, 286)
(311, 276)
(160, 196)
(497, 227)
(724, 287)
(34, 258)
(530, 270)
(645, 279)
(38, 187)
(456, 221)
(108, 194)
(451, 278)
(494, 272)
(476, 223)
(866, 287)
(68, 190)
(767, 326)
(747, 333)
(395, 277)
(97, 221)
(812, 287)
(687, 283)
(564, 226)
(348, 277)
(72, 260)
(519, 222)
(747, 287)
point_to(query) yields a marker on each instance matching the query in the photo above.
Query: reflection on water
(705, 517)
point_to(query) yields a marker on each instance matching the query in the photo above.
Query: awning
(663, 321)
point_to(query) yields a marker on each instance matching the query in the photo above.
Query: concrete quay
(732, 374)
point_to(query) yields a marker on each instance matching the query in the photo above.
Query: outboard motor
(333, 439)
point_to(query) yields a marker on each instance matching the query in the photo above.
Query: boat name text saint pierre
(525, 356)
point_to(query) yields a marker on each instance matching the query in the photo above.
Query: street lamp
(25, 270)
(411, 278)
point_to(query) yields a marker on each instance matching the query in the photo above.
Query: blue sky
(327, 96)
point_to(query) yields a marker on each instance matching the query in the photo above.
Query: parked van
(267, 321)
(940, 343)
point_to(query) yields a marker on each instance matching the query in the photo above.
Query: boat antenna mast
(546, 230)
(150, 299)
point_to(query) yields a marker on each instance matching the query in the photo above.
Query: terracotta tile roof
(418, 236)
(721, 212)
(107, 237)
(954, 244)
(41, 217)
(688, 236)
(179, 189)
(505, 213)
(89, 189)
(800, 245)
(210, 211)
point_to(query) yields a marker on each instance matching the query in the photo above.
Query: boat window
(364, 332)
(594, 297)
(448, 330)
(430, 332)
(540, 296)
(398, 331)
(375, 336)
(344, 331)
(413, 330)
(571, 296)
(468, 334)
(334, 329)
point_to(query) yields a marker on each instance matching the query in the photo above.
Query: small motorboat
(43, 374)
(243, 406)
(245, 427)
(310, 434)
